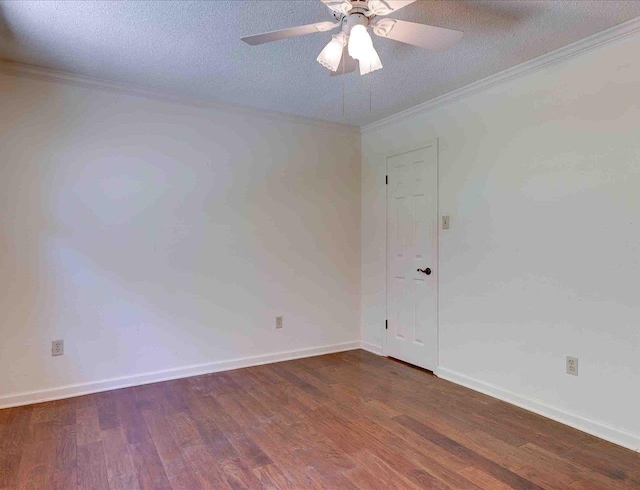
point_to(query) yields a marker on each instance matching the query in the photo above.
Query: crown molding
(528, 67)
(65, 78)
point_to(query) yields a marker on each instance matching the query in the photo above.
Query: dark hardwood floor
(348, 420)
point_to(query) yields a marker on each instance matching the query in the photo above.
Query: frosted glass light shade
(370, 62)
(331, 55)
(359, 42)
(361, 48)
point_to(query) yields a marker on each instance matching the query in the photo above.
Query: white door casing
(412, 244)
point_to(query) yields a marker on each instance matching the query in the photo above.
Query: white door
(412, 214)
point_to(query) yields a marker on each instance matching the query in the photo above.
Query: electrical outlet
(445, 222)
(572, 365)
(57, 348)
(278, 322)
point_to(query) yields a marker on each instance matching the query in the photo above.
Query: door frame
(401, 151)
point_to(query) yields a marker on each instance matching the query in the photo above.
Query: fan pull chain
(370, 84)
(343, 84)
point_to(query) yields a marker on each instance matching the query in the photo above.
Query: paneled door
(412, 247)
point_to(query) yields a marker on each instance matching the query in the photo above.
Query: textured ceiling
(194, 48)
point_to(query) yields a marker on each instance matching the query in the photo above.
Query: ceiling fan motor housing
(353, 19)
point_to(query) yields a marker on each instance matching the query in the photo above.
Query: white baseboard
(598, 429)
(612, 434)
(27, 398)
(375, 349)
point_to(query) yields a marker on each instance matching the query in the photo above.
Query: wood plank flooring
(351, 420)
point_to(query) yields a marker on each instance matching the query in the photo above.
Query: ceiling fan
(352, 46)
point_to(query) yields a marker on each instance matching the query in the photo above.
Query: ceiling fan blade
(421, 35)
(268, 37)
(339, 6)
(347, 64)
(385, 7)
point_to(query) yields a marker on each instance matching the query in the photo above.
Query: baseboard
(28, 398)
(595, 428)
(375, 349)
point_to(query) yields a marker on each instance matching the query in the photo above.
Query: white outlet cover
(57, 348)
(572, 365)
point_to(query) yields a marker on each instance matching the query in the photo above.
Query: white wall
(541, 178)
(153, 236)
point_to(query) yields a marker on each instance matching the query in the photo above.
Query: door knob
(426, 271)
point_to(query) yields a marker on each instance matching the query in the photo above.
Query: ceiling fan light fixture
(331, 55)
(353, 46)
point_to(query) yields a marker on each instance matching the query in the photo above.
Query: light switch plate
(445, 222)
(278, 322)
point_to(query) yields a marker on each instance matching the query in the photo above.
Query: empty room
(320, 244)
